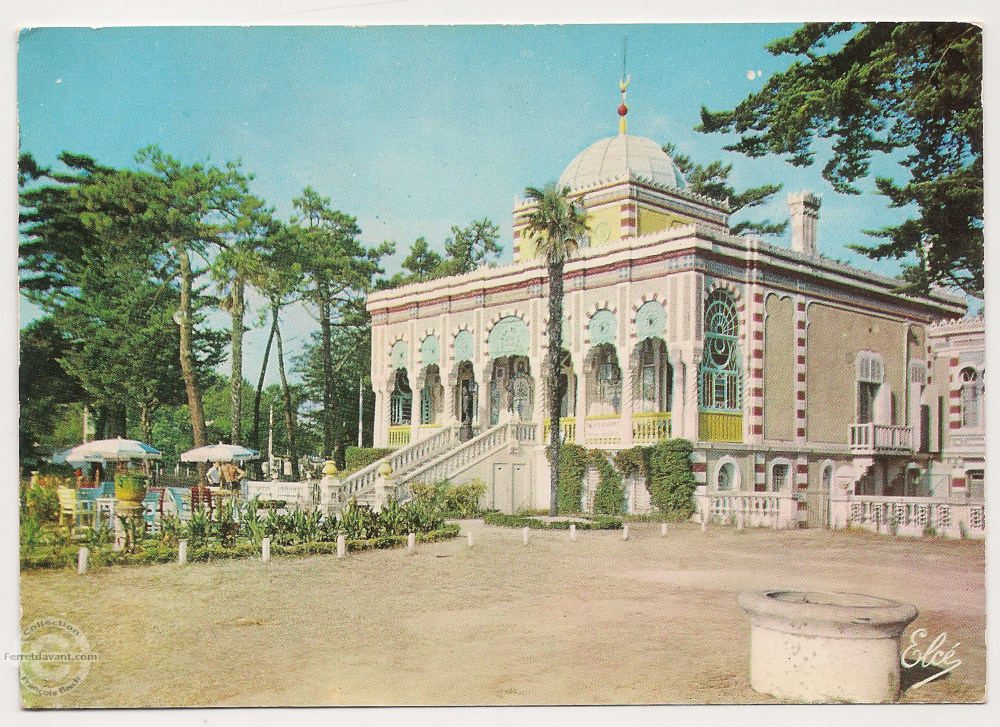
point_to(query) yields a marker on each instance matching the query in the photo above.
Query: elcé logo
(55, 656)
(933, 656)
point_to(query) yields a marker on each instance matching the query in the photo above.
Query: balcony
(651, 428)
(567, 429)
(880, 439)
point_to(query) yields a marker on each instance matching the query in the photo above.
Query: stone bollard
(663, 530)
(411, 542)
(341, 545)
(704, 522)
(739, 520)
(625, 531)
(572, 532)
(182, 552)
(825, 647)
(468, 536)
(265, 549)
(81, 561)
(524, 534)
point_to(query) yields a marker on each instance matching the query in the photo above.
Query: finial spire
(623, 84)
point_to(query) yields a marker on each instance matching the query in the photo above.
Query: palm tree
(556, 223)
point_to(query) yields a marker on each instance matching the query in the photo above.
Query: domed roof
(622, 157)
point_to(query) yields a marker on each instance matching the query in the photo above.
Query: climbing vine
(573, 466)
(670, 478)
(610, 496)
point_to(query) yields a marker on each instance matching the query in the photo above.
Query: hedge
(356, 458)
(595, 522)
(66, 556)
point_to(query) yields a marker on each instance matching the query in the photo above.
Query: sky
(411, 129)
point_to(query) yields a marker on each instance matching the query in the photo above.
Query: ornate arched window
(971, 396)
(720, 364)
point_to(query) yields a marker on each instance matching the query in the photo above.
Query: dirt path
(599, 621)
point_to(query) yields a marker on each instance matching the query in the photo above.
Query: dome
(622, 157)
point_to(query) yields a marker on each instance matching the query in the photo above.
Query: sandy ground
(599, 621)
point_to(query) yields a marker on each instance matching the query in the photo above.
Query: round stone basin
(811, 646)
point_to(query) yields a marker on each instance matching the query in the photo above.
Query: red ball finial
(622, 110)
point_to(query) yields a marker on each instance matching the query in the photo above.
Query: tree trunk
(198, 429)
(146, 421)
(327, 355)
(237, 309)
(555, 399)
(116, 423)
(255, 438)
(289, 412)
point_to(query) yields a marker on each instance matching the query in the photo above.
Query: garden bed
(157, 552)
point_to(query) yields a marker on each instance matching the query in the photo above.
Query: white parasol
(111, 450)
(220, 453)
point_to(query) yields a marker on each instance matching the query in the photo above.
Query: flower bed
(65, 556)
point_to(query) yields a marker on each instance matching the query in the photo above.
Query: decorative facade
(792, 374)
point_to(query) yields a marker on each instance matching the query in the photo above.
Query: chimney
(803, 209)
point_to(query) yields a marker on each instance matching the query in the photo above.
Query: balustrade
(873, 437)
(911, 515)
(652, 427)
(567, 429)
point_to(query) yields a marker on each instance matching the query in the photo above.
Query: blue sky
(411, 129)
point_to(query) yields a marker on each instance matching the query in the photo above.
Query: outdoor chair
(153, 509)
(202, 496)
(178, 499)
(78, 510)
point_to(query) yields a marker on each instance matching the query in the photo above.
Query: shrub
(671, 476)
(610, 496)
(596, 522)
(356, 458)
(573, 465)
(41, 502)
(463, 500)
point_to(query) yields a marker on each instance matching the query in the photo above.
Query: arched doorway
(466, 394)
(431, 396)
(604, 381)
(652, 391)
(400, 400)
(511, 388)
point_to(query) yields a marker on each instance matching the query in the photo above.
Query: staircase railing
(364, 479)
(470, 452)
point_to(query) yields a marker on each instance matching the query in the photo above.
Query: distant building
(786, 369)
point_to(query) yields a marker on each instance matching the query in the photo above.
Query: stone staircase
(434, 459)
(361, 484)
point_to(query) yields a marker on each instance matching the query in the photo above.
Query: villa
(807, 386)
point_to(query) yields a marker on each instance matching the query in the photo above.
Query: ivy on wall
(610, 496)
(670, 476)
(666, 467)
(573, 466)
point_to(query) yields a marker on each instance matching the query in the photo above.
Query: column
(381, 425)
(678, 413)
(692, 360)
(626, 416)
(414, 407)
(449, 382)
(581, 404)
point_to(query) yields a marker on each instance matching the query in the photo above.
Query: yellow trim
(436, 424)
(603, 416)
(568, 426)
(718, 426)
(651, 426)
(399, 436)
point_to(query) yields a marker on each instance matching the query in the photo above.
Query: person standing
(214, 475)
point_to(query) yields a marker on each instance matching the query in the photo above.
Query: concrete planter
(825, 647)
